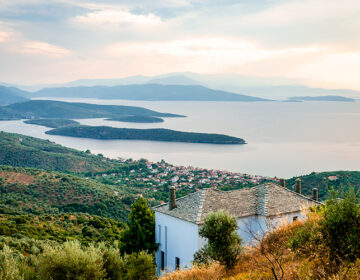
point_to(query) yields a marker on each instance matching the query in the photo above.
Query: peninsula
(52, 123)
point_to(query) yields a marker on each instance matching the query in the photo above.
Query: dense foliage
(58, 228)
(53, 123)
(70, 260)
(25, 151)
(36, 191)
(223, 242)
(154, 134)
(326, 181)
(140, 233)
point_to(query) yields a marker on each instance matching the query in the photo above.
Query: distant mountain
(334, 98)
(68, 110)
(148, 92)
(9, 95)
(175, 80)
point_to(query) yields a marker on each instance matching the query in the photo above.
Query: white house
(177, 223)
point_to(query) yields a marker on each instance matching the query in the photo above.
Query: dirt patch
(15, 177)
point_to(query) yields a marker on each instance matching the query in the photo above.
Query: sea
(284, 139)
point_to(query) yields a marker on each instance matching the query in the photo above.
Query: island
(137, 119)
(333, 98)
(153, 134)
(52, 123)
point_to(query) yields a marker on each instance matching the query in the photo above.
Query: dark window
(295, 218)
(177, 263)
(162, 260)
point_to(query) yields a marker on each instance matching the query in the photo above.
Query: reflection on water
(284, 139)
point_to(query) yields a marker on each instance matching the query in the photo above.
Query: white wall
(257, 226)
(177, 238)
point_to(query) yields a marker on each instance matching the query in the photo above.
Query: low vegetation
(76, 247)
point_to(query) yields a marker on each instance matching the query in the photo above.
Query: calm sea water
(284, 139)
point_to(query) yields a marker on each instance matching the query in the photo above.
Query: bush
(9, 265)
(70, 261)
(224, 244)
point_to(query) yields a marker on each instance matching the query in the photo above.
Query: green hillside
(59, 228)
(325, 181)
(24, 190)
(25, 151)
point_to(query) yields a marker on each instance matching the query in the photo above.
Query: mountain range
(148, 92)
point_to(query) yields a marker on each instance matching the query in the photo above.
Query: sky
(54, 41)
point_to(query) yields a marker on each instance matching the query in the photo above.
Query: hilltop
(9, 95)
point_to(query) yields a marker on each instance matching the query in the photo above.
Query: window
(295, 218)
(177, 263)
(162, 260)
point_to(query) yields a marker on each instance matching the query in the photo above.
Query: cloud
(107, 17)
(39, 11)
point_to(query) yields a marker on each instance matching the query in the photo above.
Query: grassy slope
(36, 191)
(24, 151)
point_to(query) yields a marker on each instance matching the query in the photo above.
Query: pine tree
(140, 232)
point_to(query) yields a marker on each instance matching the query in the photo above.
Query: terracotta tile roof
(266, 200)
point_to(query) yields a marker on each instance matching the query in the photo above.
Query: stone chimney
(298, 185)
(315, 194)
(172, 198)
(283, 183)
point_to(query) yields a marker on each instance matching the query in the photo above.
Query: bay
(284, 139)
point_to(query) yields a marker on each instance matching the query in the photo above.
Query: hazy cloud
(310, 39)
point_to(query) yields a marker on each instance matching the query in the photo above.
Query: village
(152, 179)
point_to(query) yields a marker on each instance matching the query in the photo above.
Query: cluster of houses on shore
(190, 177)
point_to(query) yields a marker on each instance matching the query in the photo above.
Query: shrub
(70, 261)
(9, 265)
(224, 244)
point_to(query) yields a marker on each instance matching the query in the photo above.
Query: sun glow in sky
(44, 41)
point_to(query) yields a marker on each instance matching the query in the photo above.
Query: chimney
(172, 198)
(315, 194)
(283, 183)
(298, 185)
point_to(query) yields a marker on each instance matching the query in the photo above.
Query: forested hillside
(26, 151)
(24, 190)
(326, 181)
